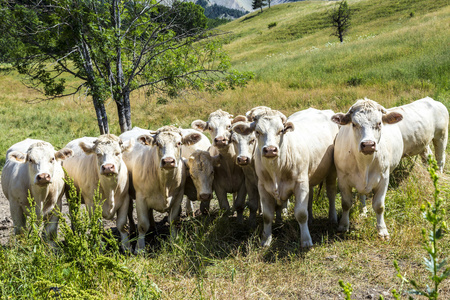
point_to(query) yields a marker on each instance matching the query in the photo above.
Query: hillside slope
(400, 47)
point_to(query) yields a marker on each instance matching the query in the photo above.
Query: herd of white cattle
(263, 156)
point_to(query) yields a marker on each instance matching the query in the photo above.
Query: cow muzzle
(243, 160)
(368, 147)
(43, 179)
(108, 170)
(220, 141)
(168, 163)
(205, 197)
(270, 151)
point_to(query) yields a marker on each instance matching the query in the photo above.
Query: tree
(340, 19)
(114, 47)
(258, 4)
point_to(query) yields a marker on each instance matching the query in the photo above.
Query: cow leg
(143, 222)
(253, 199)
(222, 197)
(301, 212)
(268, 204)
(189, 208)
(51, 223)
(130, 217)
(281, 211)
(346, 195)
(17, 215)
(362, 200)
(440, 143)
(378, 207)
(121, 221)
(239, 203)
(331, 195)
(310, 203)
(174, 213)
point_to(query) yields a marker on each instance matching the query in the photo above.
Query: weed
(435, 215)
(272, 24)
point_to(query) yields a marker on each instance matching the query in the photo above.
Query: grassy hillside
(395, 52)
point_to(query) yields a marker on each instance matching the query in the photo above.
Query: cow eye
(228, 127)
(179, 144)
(30, 160)
(117, 153)
(257, 133)
(251, 141)
(354, 125)
(52, 160)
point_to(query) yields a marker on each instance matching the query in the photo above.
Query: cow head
(367, 119)
(253, 114)
(201, 169)
(168, 140)
(218, 125)
(269, 128)
(108, 149)
(41, 159)
(244, 144)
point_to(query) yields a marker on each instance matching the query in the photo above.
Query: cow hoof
(384, 237)
(342, 228)
(307, 244)
(266, 243)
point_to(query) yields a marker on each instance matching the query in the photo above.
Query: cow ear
(392, 118)
(190, 161)
(341, 119)
(242, 128)
(239, 118)
(17, 156)
(145, 139)
(216, 160)
(63, 154)
(127, 146)
(87, 148)
(192, 139)
(288, 126)
(199, 125)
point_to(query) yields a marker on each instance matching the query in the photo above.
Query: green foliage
(340, 19)
(435, 215)
(86, 265)
(272, 24)
(258, 4)
(347, 289)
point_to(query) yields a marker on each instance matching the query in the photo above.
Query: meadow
(395, 52)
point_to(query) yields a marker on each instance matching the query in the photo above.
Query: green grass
(388, 56)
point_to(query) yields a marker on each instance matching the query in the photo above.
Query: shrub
(273, 24)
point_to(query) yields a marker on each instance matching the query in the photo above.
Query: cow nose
(368, 147)
(168, 162)
(220, 141)
(270, 151)
(242, 160)
(205, 197)
(43, 178)
(108, 169)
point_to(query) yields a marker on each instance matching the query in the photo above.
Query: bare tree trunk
(122, 97)
(102, 118)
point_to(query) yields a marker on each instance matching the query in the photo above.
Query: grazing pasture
(395, 52)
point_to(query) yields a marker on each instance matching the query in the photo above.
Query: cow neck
(108, 189)
(40, 195)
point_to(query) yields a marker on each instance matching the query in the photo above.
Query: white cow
(100, 160)
(368, 147)
(198, 185)
(292, 156)
(34, 166)
(425, 121)
(244, 146)
(228, 177)
(158, 175)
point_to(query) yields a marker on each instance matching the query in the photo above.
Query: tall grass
(389, 56)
